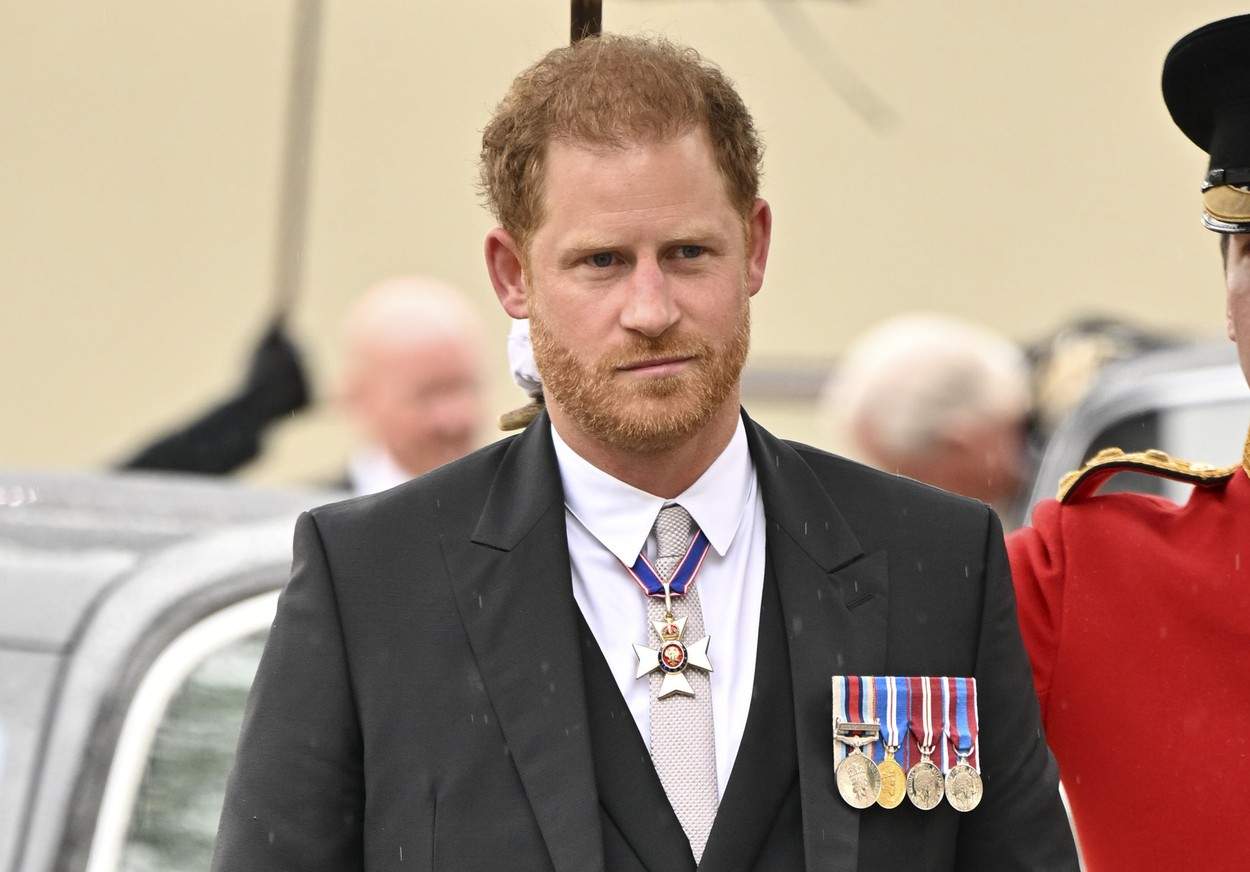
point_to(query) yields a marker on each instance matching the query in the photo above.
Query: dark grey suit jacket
(430, 699)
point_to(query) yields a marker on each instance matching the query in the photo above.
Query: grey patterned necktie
(683, 744)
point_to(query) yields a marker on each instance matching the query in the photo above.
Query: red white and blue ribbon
(855, 701)
(914, 712)
(683, 576)
(961, 719)
(842, 705)
(868, 707)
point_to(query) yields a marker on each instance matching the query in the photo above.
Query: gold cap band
(1227, 204)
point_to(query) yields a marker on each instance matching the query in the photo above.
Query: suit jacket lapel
(512, 585)
(834, 600)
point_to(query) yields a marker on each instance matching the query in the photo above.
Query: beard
(643, 415)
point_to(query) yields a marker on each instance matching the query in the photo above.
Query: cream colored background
(1032, 175)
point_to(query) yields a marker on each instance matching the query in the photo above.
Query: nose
(650, 308)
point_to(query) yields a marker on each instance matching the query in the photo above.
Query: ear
(759, 236)
(350, 398)
(507, 274)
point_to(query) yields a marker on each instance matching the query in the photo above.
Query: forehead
(656, 184)
(430, 357)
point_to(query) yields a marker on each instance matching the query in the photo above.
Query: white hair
(409, 309)
(911, 379)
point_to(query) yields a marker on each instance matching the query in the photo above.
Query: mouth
(658, 366)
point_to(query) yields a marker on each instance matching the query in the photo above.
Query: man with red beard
(507, 664)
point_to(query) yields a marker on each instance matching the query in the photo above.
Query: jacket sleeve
(229, 434)
(1037, 571)
(1021, 823)
(295, 798)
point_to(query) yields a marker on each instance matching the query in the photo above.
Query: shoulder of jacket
(1084, 482)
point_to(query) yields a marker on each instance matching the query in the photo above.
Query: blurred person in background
(1136, 610)
(412, 381)
(411, 390)
(936, 399)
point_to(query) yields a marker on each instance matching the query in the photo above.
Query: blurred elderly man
(412, 381)
(938, 400)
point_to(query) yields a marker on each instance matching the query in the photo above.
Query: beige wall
(1031, 174)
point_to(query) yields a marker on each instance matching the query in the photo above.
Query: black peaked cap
(1206, 85)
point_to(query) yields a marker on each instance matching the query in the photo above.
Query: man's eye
(602, 260)
(690, 251)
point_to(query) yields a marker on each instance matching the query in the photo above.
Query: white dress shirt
(609, 523)
(372, 470)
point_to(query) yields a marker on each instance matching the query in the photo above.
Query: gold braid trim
(1110, 461)
(1227, 203)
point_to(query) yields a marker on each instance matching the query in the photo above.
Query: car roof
(99, 571)
(67, 538)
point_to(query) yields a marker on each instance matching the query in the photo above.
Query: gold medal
(893, 781)
(924, 783)
(893, 778)
(964, 788)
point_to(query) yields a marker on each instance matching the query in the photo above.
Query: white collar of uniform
(621, 516)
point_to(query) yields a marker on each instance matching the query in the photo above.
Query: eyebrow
(591, 244)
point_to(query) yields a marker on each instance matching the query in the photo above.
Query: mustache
(642, 350)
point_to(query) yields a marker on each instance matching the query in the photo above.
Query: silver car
(133, 611)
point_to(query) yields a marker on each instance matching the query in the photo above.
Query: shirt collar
(620, 516)
(372, 469)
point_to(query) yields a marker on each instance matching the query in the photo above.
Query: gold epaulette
(1110, 461)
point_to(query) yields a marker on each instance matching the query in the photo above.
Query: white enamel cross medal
(672, 657)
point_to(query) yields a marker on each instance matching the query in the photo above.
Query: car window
(1190, 402)
(174, 819)
(1208, 433)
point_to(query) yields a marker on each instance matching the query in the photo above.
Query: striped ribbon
(683, 576)
(961, 720)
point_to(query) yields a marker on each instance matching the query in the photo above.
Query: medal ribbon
(968, 747)
(854, 700)
(683, 576)
(893, 689)
(920, 689)
(961, 718)
(944, 686)
(868, 711)
(840, 693)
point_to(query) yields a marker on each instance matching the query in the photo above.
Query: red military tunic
(1136, 615)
